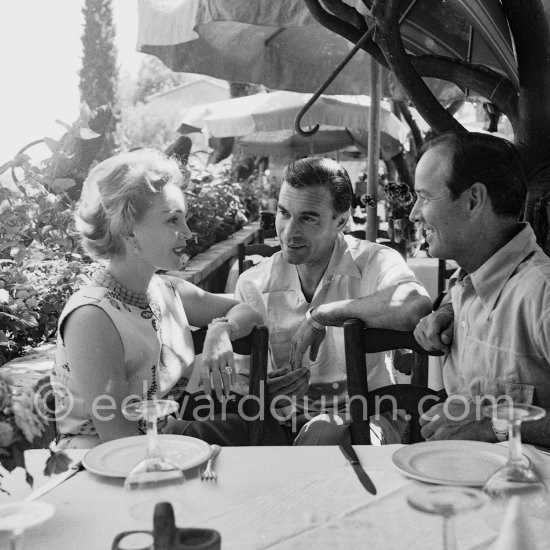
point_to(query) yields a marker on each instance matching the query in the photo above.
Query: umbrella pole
(373, 148)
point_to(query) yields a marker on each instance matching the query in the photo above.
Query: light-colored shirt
(356, 268)
(501, 342)
(158, 350)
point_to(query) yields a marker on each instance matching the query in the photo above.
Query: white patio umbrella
(276, 111)
(285, 144)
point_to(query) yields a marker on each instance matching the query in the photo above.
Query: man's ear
(477, 198)
(342, 220)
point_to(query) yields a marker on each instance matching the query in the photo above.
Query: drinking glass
(447, 502)
(155, 471)
(17, 516)
(517, 476)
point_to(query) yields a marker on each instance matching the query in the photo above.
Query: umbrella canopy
(286, 144)
(275, 43)
(277, 111)
(475, 31)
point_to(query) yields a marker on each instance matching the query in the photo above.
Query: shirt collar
(284, 276)
(489, 279)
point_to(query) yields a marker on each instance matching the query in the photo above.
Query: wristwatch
(314, 323)
(500, 429)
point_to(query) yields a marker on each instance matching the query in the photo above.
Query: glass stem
(15, 538)
(152, 438)
(514, 442)
(449, 540)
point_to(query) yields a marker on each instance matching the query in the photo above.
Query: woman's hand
(218, 365)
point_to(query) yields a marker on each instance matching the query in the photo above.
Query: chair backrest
(414, 399)
(256, 346)
(260, 249)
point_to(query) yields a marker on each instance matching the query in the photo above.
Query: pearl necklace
(104, 278)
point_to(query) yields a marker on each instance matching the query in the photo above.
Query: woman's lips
(179, 250)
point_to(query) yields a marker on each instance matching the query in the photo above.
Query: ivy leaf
(85, 133)
(64, 124)
(85, 111)
(53, 145)
(61, 185)
(28, 318)
(57, 463)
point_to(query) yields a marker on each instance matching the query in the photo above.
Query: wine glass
(447, 502)
(17, 516)
(155, 471)
(517, 476)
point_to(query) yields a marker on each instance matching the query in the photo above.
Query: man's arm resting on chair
(398, 307)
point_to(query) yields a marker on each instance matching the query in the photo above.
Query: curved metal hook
(326, 83)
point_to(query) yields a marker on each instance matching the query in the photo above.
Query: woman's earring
(136, 246)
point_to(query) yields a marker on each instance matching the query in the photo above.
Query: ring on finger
(228, 369)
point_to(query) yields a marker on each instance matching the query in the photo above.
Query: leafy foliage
(20, 424)
(218, 206)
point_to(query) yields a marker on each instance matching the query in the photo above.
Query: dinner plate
(116, 458)
(459, 463)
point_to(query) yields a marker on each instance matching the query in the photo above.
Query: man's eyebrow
(310, 213)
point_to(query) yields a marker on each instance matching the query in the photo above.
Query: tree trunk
(530, 26)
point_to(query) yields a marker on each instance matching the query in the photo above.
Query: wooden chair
(260, 249)
(256, 346)
(359, 340)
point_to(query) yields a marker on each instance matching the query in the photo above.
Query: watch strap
(316, 325)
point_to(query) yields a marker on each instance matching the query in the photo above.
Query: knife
(57, 480)
(349, 453)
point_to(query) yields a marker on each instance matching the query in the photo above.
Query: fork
(208, 474)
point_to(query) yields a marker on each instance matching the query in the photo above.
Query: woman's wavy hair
(116, 195)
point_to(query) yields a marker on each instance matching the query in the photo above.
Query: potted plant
(400, 200)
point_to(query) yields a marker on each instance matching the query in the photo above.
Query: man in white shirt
(318, 280)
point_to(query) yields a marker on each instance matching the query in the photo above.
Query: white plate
(116, 458)
(460, 463)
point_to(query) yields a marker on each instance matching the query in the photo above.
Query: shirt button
(463, 324)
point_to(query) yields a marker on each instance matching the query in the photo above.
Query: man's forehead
(316, 198)
(433, 170)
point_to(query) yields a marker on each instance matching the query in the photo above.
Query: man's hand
(456, 419)
(435, 331)
(283, 381)
(306, 337)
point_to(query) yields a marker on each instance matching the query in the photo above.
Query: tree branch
(483, 81)
(390, 41)
(346, 13)
(345, 29)
(407, 115)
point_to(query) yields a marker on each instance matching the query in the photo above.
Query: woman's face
(162, 233)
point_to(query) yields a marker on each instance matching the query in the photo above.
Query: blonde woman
(127, 332)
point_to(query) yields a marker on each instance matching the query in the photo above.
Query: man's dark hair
(314, 171)
(493, 161)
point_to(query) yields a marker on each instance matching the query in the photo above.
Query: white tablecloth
(268, 497)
